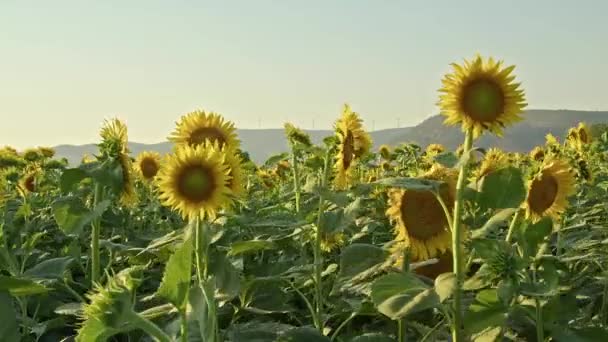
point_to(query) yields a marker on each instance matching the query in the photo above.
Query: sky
(65, 66)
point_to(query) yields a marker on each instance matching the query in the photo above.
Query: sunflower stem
(540, 331)
(202, 272)
(95, 231)
(514, 222)
(318, 257)
(402, 330)
(457, 324)
(296, 179)
(149, 327)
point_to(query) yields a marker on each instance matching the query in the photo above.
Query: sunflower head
(47, 152)
(386, 165)
(583, 169)
(128, 194)
(481, 95)
(331, 241)
(444, 264)
(194, 181)
(199, 127)
(147, 165)
(9, 150)
(236, 175)
(419, 219)
(8, 160)
(266, 178)
(29, 182)
(87, 159)
(537, 154)
(32, 155)
(493, 160)
(434, 149)
(548, 191)
(296, 135)
(114, 138)
(353, 142)
(578, 137)
(385, 152)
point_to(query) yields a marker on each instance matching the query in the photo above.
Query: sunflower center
(543, 192)
(30, 183)
(483, 100)
(422, 214)
(149, 168)
(196, 183)
(211, 134)
(583, 136)
(348, 150)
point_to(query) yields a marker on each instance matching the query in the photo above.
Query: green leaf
(9, 329)
(399, 294)
(251, 246)
(447, 159)
(178, 272)
(227, 280)
(358, 258)
(531, 235)
(303, 334)
(373, 337)
(257, 331)
(71, 177)
(503, 188)
(445, 285)
(499, 219)
(21, 287)
(50, 269)
(588, 334)
(265, 296)
(485, 313)
(72, 216)
(409, 183)
(70, 309)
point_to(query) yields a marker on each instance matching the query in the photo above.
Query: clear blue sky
(67, 65)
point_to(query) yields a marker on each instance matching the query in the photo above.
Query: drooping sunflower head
(29, 182)
(353, 142)
(128, 194)
(147, 165)
(296, 135)
(198, 127)
(419, 218)
(114, 138)
(584, 133)
(548, 191)
(47, 152)
(493, 160)
(32, 155)
(9, 150)
(537, 154)
(386, 165)
(194, 181)
(481, 95)
(385, 152)
(8, 160)
(434, 149)
(266, 178)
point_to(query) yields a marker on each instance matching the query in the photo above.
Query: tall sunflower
(549, 190)
(198, 127)
(114, 138)
(194, 181)
(147, 164)
(481, 95)
(353, 142)
(420, 221)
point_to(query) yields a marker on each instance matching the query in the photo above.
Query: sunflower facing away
(28, 182)
(194, 181)
(353, 142)
(493, 160)
(128, 194)
(420, 221)
(296, 136)
(198, 127)
(114, 138)
(549, 190)
(147, 165)
(481, 95)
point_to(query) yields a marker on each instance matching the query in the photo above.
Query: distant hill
(523, 136)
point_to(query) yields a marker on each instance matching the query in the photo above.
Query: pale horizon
(66, 66)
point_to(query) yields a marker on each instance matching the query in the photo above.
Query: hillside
(262, 143)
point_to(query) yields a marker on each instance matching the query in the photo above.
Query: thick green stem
(513, 224)
(401, 327)
(184, 325)
(149, 327)
(95, 231)
(342, 325)
(318, 257)
(202, 272)
(457, 324)
(296, 179)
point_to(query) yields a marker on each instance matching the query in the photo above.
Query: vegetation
(329, 242)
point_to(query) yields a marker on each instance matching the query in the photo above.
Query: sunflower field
(334, 241)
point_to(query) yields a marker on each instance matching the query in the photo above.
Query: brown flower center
(196, 183)
(582, 134)
(444, 264)
(211, 134)
(30, 183)
(543, 192)
(422, 214)
(483, 100)
(149, 168)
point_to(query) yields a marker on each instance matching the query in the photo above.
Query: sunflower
(481, 95)
(537, 154)
(549, 190)
(128, 194)
(331, 241)
(434, 149)
(578, 137)
(493, 160)
(87, 159)
(32, 155)
(236, 181)
(114, 138)
(583, 170)
(296, 135)
(47, 152)
(29, 182)
(353, 142)
(420, 221)
(198, 127)
(444, 264)
(385, 152)
(266, 178)
(147, 165)
(584, 133)
(194, 181)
